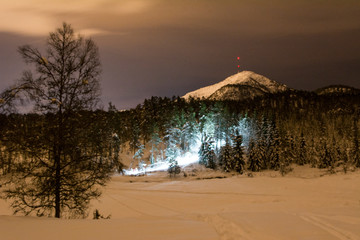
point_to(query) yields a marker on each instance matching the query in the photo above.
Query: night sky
(170, 47)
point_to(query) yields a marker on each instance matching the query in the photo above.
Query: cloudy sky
(170, 47)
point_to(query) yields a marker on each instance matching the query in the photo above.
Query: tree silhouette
(64, 166)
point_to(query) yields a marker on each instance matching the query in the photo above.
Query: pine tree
(207, 155)
(135, 134)
(203, 152)
(155, 141)
(211, 159)
(139, 153)
(226, 158)
(255, 163)
(302, 150)
(238, 158)
(114, 153)
(355, 144)
(325, 156)
(273, 147)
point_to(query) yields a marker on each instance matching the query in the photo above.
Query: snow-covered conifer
(254, 158)
(226, 158)
(238, 151)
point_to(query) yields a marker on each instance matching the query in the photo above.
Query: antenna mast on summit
(238, 64)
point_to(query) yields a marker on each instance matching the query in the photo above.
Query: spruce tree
(211, 159)
(155, 141)
(254, 160)
(238, 158)
(207, 155)
(302, 150)
(355, 143)
(226, 158)
(273, 147)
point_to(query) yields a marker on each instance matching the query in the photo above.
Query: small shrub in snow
(174, 169)
(97, 215)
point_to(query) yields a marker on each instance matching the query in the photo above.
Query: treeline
(30, 136)
(277, 130)
(268, 132)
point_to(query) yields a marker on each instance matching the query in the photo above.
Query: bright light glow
(156, 167)
(186, 159)
(192, 156)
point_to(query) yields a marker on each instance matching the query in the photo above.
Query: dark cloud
(171, 47)
(11, 65)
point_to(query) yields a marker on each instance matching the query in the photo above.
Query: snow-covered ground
(301, 205)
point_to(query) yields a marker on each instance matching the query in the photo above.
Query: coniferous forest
(271, 132)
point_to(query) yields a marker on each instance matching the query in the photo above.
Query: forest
(270, 132)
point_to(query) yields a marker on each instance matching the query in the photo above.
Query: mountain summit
(243, 85)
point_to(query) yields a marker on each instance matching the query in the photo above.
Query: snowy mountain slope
(240, 83)
(236, 92)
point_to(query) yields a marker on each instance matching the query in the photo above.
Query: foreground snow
(302, 205)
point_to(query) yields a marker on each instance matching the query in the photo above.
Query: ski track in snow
(140, 199)
(234, 208)
(226, 229)
(140, 202)
(127, 205)
(331, 229)
(199, 193)
(136, 200)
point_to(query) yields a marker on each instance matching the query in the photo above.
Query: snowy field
(302, 205)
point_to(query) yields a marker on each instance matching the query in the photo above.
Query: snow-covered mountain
(243, 85)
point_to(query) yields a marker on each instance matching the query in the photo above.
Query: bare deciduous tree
(60, 169)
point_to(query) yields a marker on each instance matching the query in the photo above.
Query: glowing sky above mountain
(171, 47)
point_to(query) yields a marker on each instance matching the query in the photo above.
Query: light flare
(192, 156)
(184, 160)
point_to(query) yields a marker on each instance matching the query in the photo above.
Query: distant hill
(337, 89)
(240, 86)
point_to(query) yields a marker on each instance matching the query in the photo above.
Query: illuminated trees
(63, 166)
(134, 140)
(231, 156)
(226, 157)
(155, 141)
(207, 156)
(254, 157)
(238, 158)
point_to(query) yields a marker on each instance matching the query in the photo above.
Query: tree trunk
(57, 186)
